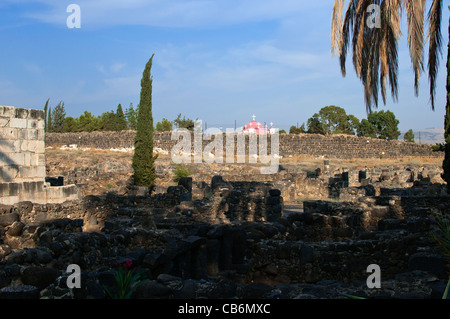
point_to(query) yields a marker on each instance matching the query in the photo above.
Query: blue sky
(217, 60)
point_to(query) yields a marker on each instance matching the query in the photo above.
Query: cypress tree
(49, 120)
(121, 122)
(131, 115)
(58, 116)
(45, 117)
(446, 163)
(143, 160)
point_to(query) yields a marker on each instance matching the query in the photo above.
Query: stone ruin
(22, 160)
(236, 242)
(233, 239)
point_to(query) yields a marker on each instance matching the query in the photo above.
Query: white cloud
(116, 67)
(173, 13)
(33, 69)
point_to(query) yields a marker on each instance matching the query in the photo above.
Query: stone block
(63, 193)
(9, 200)
(6, 111)
(9, 173)
(29, 146)
(23, 145)
(4, 122)
(18, 123)
(41, 159)
(40, 277)
(8, 159)
(28, 172)
(9, 146)
(14, 189)
(27, 159)
(40, 147)
(40, 125)
(33, 187)
(41, 135)
(186, 182)
(22, 134)
(12, 159)
(41, 171)
(32, 134)
(4, 189)
(36, 115)
(21, 113)
(32, 124)
(33, 159)
(7, 133)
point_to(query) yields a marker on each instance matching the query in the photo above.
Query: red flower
(127, 263)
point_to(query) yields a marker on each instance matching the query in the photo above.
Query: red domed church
(256, 127)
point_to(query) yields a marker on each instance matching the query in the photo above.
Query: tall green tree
(385, 123)
(353, 124)
(45, 116)
(121, 122)
(58, 116)
(297, 130)
(131, 115)
(315, 126)
(143, 162)
(49, 120)
(332, 120)
(89, 123)
(70, 124)
(109, 121)
(184, 123)
(409, 136)
(164, 126)
(366, 129)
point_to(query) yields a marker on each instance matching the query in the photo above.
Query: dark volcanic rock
(40, 277)
(19, 292)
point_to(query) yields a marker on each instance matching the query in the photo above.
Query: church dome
(254, 127)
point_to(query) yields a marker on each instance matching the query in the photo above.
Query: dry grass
(308, 162)
(86, 152)
(303, 162)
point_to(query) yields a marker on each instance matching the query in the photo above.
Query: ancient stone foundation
(22, 159)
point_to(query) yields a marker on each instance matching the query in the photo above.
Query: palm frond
(435, 49)
(415, 10)
(336, 26)
(345, 35)
(375, 53)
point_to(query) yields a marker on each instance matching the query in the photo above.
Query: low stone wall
(335, 146)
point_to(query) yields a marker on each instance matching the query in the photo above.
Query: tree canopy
(332, 120)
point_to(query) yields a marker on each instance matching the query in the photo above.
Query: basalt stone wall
(336, 146)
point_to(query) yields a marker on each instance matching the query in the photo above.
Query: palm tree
(374, 46)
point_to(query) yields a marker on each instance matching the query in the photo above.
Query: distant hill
(427, 136)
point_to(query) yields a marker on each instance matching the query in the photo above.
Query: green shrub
(181, 171)
(438, 147)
